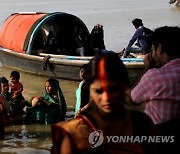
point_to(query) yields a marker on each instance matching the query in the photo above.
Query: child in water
(16, 89)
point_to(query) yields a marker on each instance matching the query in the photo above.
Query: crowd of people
(49, 108)
(101, 100)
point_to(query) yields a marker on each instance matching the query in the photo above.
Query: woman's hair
(167, 36)
(54, 84)
(109, 65)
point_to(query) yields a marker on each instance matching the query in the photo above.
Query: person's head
(107, 79)
(83, 71)
(165, 44)
(4, 85)
(15, 76)
(51, 86)
(137, 22)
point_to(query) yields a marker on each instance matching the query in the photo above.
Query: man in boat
(159, 87)
(142, 36)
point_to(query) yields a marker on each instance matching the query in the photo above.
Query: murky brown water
(115, 15)
(35, 138)
(27, 139)
(34, 85)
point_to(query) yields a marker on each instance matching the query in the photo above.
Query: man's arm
(134, 37)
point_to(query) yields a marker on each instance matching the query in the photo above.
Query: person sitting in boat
(143, 37)
(82, 92)
(106, 117)
(97, 39)
(16, 89)
(83, 43)
(50, 108)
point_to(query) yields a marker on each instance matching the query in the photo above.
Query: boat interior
(60, 35)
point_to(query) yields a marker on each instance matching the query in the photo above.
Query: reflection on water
(21, 138)
(24, 139)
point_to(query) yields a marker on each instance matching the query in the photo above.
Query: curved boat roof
(27, 32)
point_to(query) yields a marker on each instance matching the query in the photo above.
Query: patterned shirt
(159, 88)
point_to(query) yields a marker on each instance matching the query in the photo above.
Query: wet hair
(15, 74)
(113, 67)
(54, 84)
(3, 80)
(167, 36)
(137, 22)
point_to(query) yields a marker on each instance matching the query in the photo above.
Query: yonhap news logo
(97, 138)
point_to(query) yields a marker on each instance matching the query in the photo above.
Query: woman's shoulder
(78, 129)
(81, 121)
(47, 96)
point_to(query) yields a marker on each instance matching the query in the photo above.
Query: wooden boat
(45, 44)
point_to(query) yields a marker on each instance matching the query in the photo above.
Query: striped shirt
(159, 88)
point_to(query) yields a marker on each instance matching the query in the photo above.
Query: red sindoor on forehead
(102, 74)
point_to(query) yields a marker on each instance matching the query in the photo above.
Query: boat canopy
(36, 32)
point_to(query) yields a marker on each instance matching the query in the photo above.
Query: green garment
(54, 110)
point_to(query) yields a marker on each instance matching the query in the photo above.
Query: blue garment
(142, 41)
(78, 97)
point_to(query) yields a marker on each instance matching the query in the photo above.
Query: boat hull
(58, 66)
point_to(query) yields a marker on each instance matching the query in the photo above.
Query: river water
(114, 15)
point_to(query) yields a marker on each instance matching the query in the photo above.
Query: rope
(46, 62)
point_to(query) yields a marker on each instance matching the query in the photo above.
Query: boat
(46, 44)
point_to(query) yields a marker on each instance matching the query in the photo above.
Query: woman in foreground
(92, 131)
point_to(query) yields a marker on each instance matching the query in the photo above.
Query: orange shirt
(16, 89)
